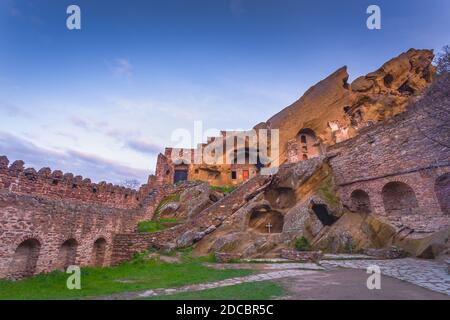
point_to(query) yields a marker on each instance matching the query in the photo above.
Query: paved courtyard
(424, 273)
(333, 279)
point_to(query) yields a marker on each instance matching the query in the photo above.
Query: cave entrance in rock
(308, 143)
(25, 259)
(360, 201)
(67, 254)
(399, 198)
(322, 213)
(98, 254)
(268, 221)
(442, 190)
(281, 198)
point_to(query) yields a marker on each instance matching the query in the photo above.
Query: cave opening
(388, 79)
(323, 214)
(406, 88)
(264, 220)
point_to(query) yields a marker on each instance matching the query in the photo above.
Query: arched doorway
(309, 145)
(67, 254)
(442, 190)
(399, 198)
(360, 201)
(25, 259)
(99, 251)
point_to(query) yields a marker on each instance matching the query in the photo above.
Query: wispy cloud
(12, 110)
(91, 166)
(80, 122)
(143, 146)
(129, 138)
(121, 67)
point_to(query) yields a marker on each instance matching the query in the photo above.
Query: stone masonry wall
(405, 149)
(48, 209)
(57, 185)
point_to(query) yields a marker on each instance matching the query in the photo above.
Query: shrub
(223, 189)
(302, 244)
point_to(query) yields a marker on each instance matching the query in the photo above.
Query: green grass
(132, 276)
(247, 291)
(157, 225)
(223, 189)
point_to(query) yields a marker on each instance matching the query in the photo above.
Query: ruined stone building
(362, 165)
(330, 112)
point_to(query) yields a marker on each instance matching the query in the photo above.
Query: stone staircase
(126, 245)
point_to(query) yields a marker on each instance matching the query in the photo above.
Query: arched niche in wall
(67, 254)
(360, 201)
(25, 259)
(442, 190)
(99, 252)
(399, 198)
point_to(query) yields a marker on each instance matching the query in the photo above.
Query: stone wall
(126, 245)
(57, 185)
(217, 175)
(51, 220)
(398, 165)
(50, 223)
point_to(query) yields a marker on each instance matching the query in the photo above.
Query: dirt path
(351, 285)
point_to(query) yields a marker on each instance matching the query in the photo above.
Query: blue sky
(103, 101)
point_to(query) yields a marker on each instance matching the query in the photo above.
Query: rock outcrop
(335, 110)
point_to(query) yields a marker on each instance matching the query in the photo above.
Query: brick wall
(406, 150)
(57, 185)
(48, 220)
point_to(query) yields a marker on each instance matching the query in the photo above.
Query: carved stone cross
(268, 226)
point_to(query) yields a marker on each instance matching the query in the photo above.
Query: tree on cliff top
(443, 62)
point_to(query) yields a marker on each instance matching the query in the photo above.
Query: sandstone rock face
(335, 110)
(192, 200)
(189, 237)
(276, 214)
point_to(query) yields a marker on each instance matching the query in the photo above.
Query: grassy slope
(157, 225)
(247, 291)
(138, 275)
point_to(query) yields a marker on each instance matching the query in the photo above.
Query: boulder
(189, 238)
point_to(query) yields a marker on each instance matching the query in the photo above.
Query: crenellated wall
(49, 220)
(57, 185)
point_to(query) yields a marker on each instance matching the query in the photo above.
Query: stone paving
(266, 266)
(424, 273)
(228, 282)
(330, 256)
